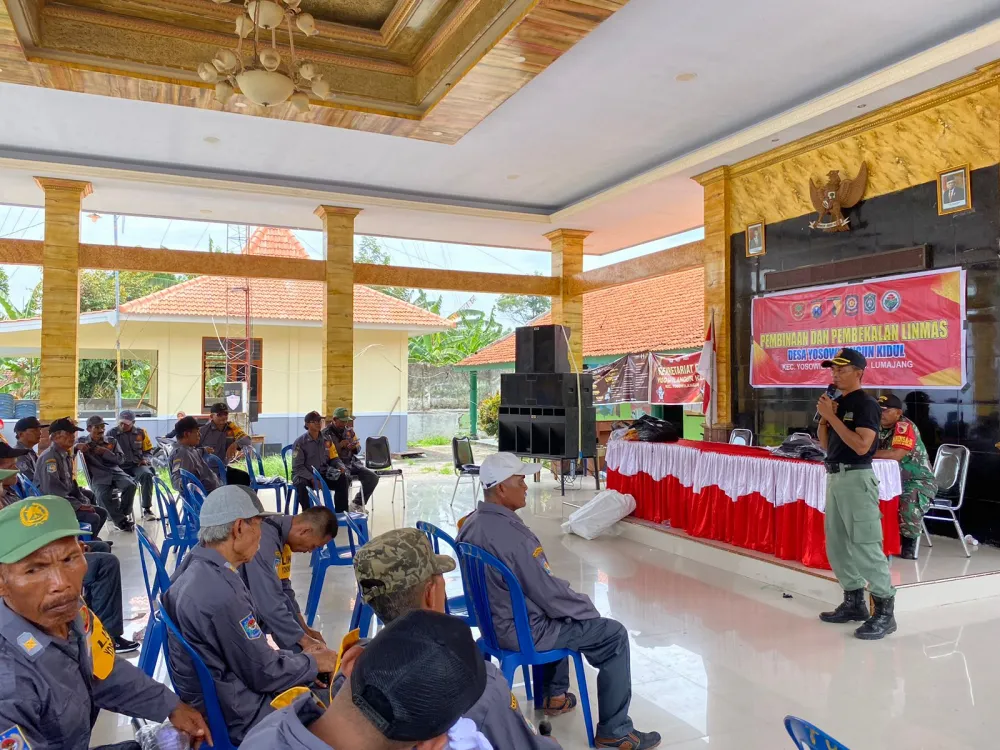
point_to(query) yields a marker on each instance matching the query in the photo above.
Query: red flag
(706, 368)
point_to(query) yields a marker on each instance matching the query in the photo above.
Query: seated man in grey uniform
(54, 474)
(137, 449)
(104, 461)
(384, 704)
(398, 573)
(213, 610)
(226, 440)
(186, 455)
(269, 575)
(59, 664)
(314, 450)
(28, 432)
(559, 617)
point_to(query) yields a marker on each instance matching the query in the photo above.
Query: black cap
(890, 402)
(847, 357)
(7, 452)
(313, 416)
(64, 425)
(418, 676)
(185, 424)
(27, 423)
(96, 421)
(219, 408)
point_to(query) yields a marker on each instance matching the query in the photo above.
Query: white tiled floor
(717, 659)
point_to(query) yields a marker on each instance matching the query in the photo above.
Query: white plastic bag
(606, 509)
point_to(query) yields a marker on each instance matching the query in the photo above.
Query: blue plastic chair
(260, 482)
(25, 488)
(806, 736)
(332, 553)
(152, 646)
(290, 491)
(218, 464)
(361, 616)
(175, 532)
(193, 500)
(455, 605)
(210, 698)
(161, 579)
(474, 562)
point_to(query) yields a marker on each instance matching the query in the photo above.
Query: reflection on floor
(718, 659)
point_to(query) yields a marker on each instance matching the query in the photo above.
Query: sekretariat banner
(910, 328)
(674, 379)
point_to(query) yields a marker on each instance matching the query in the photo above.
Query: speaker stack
(542, 401)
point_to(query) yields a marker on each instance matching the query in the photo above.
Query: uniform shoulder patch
(13, 739)
(250, 627)
(538, 552)
(902, 428)
(50, 466)
(513, 702)
(30, 645)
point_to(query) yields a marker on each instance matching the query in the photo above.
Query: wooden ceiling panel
(427, 69)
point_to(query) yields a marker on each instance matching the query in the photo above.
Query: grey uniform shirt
(288, 728)
(212, 608)
(273, 596)
(218, 441)
(191, 459)
(131, 445)
(550, 600)
(103, 466)
(26, 463)
(48, 690)
(307, 454)
(54, 475)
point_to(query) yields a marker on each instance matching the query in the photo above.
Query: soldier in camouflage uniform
(899, 440)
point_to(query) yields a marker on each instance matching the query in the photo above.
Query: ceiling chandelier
(266, 79)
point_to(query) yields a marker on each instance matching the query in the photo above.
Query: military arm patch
(250, 627)
(29, 644)
(13, 739)
(50, 466)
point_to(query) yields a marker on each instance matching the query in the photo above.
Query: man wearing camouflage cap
(59, 663)
(398, 573)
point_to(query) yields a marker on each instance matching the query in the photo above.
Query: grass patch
(433, 440)
(446, 470)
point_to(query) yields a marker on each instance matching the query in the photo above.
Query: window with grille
(225, 361)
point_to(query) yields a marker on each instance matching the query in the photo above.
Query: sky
(27, 223)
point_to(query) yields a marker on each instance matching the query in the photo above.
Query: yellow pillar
(718, 297)
(60, 296)
(567, 261)
(338, 307)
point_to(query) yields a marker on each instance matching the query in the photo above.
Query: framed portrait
(755, 240)
(954, 190)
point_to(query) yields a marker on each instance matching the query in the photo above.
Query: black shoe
(852, 609)
(908, 548)
(125, 646)
(634, 740)
(880, 624)
(127, 526)
(148, 515)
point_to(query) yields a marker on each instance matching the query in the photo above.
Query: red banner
(909, 328)
(675, 379)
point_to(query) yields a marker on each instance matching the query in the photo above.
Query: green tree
(369, 250)
(19, 376)
(489, 414)
(97, 288)
(523, 308)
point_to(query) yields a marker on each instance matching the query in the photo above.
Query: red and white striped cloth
(740, 495)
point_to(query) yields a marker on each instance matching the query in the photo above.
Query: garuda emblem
(836, 195)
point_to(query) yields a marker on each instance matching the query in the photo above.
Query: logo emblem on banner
(816, 308)
(836, 303)
(851, 304)
(891, 301)
(799, 310)
(869, 303)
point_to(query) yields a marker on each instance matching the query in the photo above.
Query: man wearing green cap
(341, 432)
(59, 663)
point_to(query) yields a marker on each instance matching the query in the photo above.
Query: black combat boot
(908, 548)
(852, 609)
(880, 624)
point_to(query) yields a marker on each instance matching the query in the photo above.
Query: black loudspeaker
(546, 389)
(541, 349)
(548, 432)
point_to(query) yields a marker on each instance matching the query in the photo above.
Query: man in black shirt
(848, 430)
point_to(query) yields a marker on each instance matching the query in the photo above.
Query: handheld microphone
(831, 391)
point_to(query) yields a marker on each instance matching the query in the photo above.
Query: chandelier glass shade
(257, 69)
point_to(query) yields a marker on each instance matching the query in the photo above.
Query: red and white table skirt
(740, 495)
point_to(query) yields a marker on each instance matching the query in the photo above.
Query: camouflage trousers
(913, 503)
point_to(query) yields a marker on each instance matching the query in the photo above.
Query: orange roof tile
(276, 299)
(660, 314)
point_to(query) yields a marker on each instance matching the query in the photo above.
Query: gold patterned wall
(905, 144)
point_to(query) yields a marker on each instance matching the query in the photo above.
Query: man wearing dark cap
(406, 690)
(225, 439)
(899, 440)
(59, 663)
(137, 450)
(399, 573)
(213, 609)
(848, 431)
(104, 467)
(187, 456)
(314, 450)
(54, 474)
(28, 433)
(8, 473)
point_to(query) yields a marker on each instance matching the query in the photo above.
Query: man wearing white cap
(559, 617)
